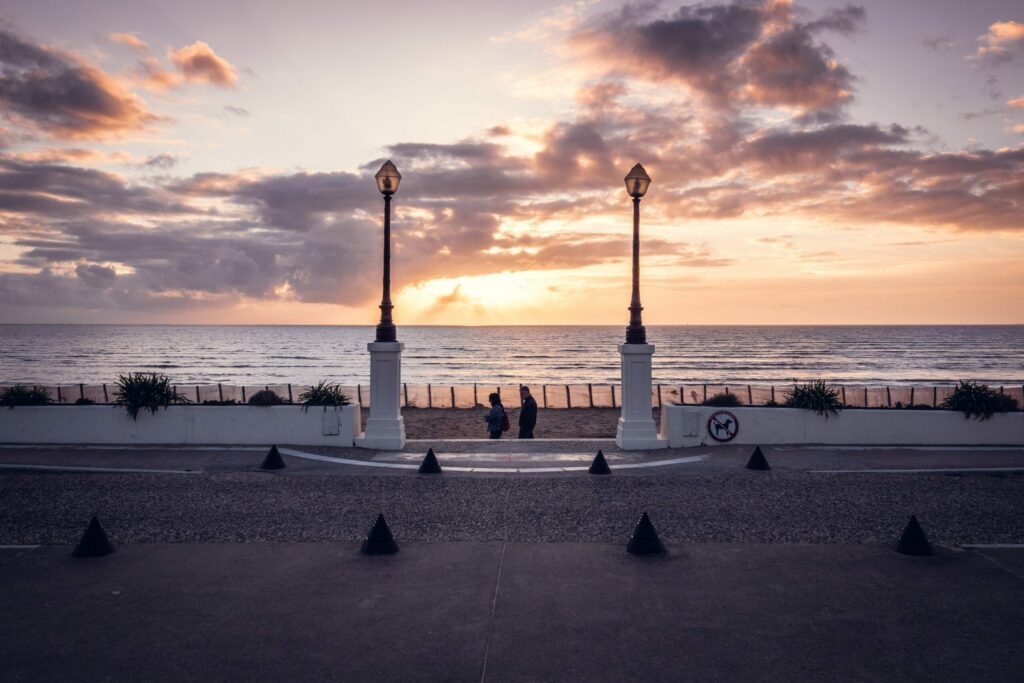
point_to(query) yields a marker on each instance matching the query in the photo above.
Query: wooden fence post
(453, 395)
(911, 396)
(197, 395)
(659, 397)
(750, 396)
(773, 395)
(568, 399)
(843, 389)
(81, 391)
(888, 396)
(290, 399)
(705, 392)
(105, 399)
(405, 390)
(935, 397)
(613, 396)
(544, 389)
(682, 395)
(60, 399)
(590, 391)
(359, 394)
(430, 397)
(243, 394)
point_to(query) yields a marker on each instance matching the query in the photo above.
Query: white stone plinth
(636, 424)
(385, 427)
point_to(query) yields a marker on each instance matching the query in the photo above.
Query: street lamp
(388, 179)
(637, 182)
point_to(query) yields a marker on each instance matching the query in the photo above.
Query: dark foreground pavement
(525, 611)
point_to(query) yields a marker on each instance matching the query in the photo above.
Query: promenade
(226, 572)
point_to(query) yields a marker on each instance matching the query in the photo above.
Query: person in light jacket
(494, 416)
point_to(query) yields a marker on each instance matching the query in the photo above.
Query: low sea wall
(197, 425)
(693, 426)
(547, 395)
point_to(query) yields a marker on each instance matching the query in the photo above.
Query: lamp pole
(637, 182)
(387, 178)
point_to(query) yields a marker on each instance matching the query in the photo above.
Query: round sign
(723, 426)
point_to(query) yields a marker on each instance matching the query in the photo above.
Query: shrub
(84, 402)
(215, 402)
(20, 395)
(323, 394)
(978, 400)
(722, 400)
(265, 397)
(145, 391)
(816, 396)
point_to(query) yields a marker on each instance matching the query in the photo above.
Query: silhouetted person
(495, 416)
(528, 414)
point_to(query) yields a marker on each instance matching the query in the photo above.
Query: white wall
(687, 426)
(242, 425)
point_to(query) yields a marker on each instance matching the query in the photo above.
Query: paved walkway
(496, 611)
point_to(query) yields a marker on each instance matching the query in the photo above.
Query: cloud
(938, 43)
(237, 111)
(131, 40)
(1017, 103)
(732, 54)
(198, 63)
(1000, 44)
(163, 161)
(59, 94)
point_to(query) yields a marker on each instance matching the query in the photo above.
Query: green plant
(978, 400)
(816, 396)
(264, 398)
(215, 402)
(84, 402)
(722, 400)
(325, 393)
(145, 391)
(20, 395)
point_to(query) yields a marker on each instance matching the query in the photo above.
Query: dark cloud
(237, 111)
(163, 161)
(43, 88)
(737, 53)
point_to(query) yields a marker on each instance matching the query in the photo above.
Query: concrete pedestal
(636, 424)
(385, 427)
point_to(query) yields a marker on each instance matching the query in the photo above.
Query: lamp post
(388, 179)
(385, 427)
(637, 182)
(636, 429)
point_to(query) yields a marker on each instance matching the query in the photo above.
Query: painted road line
(71, 468)
(915, 471)
(464, 456)
(943, 449)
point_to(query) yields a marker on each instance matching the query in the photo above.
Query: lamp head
(388, 178)
(637, 181)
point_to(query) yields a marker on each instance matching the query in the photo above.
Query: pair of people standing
(497, 419)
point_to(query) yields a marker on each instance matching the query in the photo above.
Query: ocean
(254, 355)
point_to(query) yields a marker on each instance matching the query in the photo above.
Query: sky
(212, 162)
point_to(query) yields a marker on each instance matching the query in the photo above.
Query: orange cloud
(1017, 103)
(199, 63)
(998, 43)
(129, 39)
(53, 91)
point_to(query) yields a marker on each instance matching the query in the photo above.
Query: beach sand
(552, 423)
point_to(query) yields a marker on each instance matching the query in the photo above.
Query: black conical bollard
(913, 540)
(757, 460)
(94, 542)
(644, 540)
(430, 465)
(600, 465)
(379, 540)
(273, 461)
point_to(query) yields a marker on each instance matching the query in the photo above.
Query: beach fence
(557, 396)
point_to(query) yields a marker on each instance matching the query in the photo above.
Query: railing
(547, 395)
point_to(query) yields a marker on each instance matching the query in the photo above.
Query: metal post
(386, 328)
(888, 397)
(935, 397)
(682, 395)
(635, 333)
(705, 393)
(911, 397)
(359, 393)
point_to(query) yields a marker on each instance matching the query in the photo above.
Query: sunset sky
(212, 162)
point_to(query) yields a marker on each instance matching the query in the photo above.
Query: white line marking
(122, 447)
(825, 447)
(70, 468)
(947, 469)
(503, 470)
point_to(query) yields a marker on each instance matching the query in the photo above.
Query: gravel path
(740, 506)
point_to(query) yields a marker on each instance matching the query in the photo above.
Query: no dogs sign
(723, 426)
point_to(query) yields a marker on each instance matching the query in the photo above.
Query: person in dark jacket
(494, 416)
(528, 414)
